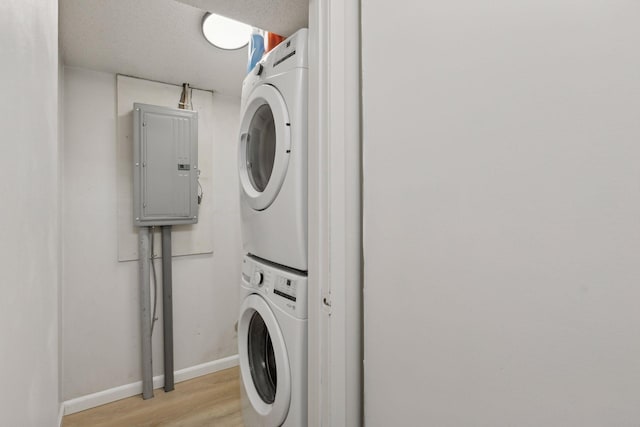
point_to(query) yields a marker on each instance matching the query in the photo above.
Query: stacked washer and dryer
(272, 326)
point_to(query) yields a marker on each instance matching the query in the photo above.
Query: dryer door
(265, 144)
(264, 363)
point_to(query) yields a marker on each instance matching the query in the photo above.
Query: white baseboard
(60, 414)
(111, 395)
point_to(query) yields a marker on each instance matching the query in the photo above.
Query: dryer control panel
(289, 55)
(286, 288)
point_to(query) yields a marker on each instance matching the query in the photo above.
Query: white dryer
(273, 155)
(272, 345)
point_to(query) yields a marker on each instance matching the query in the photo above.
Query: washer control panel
(286, 288)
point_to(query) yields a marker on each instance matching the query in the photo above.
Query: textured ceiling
(283, 17)
(162, 39)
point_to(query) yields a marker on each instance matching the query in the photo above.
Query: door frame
(335, 215)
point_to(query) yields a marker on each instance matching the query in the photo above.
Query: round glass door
(261, 147)
(264, 364)
(262, 359)
(265, 144)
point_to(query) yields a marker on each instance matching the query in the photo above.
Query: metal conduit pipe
(167, 308)
(145, 311)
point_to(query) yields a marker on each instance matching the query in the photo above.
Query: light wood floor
(210, 400)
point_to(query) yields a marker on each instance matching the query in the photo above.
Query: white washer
(272, 345)
(273, 155)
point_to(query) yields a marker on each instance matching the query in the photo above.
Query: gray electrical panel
(165, 171)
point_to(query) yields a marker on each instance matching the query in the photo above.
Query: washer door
(264, 364)
(265, 144)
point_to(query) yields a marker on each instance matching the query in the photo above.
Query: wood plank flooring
(211, 400)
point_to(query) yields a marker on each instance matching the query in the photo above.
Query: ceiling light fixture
(225, 33)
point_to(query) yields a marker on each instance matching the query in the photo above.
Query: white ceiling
(282, 17)
(162, 39)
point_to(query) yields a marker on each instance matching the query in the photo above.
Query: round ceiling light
(225, 33)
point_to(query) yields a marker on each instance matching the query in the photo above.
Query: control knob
(258, 278)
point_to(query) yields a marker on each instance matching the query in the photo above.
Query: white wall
(101, 342)
(502, 213)
(29, 233)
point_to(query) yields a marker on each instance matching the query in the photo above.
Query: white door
(264, 363)
(265, 144)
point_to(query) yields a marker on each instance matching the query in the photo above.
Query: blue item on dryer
(256, 49)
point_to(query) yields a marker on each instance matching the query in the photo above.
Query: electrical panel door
(165, 157)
